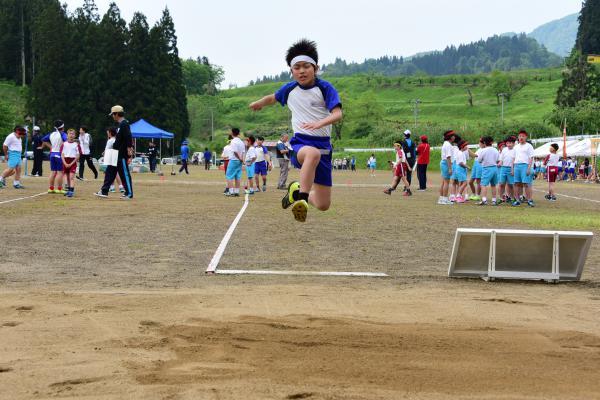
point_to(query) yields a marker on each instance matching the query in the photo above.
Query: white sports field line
(214, 263)
(217, 183)
(23, 198)
(300, 273)
(569, 197)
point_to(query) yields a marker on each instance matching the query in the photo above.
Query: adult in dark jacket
(410, 150)
(124, 144)
(152, 156)
(38, 152)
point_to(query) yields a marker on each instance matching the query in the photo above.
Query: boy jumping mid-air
(315, 106)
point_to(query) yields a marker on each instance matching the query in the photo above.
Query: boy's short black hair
(488, 140)
(112, 131)
(260, 138)
(235, 131)
(554, 146)
(84, 128)
(303, 47)
(251, 139)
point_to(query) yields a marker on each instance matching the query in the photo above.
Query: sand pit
(143, 320)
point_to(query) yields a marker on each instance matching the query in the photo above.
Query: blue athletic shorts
(521, 174)
(260, 168)
(444, 169)
(234, 170)
(476, 171)
(489, 176)
(14, 159)
(453, 177)
(460, 173)
(250, 171)
(505, 176)
(323, 144)
(56, 164)
(571, 171)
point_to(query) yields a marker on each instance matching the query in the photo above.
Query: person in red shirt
(423, 151)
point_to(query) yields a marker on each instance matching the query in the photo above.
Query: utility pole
(503, 95)
(23, 64)
(212, 124)
(417, 102)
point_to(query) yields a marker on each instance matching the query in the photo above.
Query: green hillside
(378, 108)
(558, 36)
(12, 106)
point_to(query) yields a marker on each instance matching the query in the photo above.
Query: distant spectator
(410, 150)
(372, 164)
(185, 154)
(207, 158)
(423, 154)
(38, 152)
(152, 156)
(283, 156)
(85, 142)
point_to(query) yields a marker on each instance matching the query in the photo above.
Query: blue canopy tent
(142, 129)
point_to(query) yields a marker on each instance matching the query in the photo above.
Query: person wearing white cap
(410, 149)
(38, 152)
(124, 144)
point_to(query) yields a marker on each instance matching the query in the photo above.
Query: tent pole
(160, 153)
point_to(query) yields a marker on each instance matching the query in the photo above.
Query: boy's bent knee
(323, 206)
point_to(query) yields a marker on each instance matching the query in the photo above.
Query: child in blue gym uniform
(446, 167)
(488, 158)
(506, 178)
(315, 106)
(476, 171)
(461, 170)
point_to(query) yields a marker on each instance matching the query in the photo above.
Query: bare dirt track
(109, 300)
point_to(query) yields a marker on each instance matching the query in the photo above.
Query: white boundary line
(214, 263)
(568, 197)
(300, 273)
(23, 198)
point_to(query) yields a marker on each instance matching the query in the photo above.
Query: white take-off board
(519, 254)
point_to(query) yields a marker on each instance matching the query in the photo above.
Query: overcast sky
(249, 38)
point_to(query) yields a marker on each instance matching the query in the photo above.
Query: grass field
(106, 299)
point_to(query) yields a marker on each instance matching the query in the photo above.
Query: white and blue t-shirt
(309, 104)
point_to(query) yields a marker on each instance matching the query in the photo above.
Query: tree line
(78, 64)
(497, 53)
(578, 98)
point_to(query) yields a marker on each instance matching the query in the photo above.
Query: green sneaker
(288, 199)
(300, 210)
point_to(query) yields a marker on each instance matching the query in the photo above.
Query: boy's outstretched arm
(335, 116)
(265, 101)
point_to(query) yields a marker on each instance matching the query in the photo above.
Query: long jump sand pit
(113, 311)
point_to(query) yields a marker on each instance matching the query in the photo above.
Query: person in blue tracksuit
(185, 155)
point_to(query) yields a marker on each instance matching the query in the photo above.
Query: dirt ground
(106, 299)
